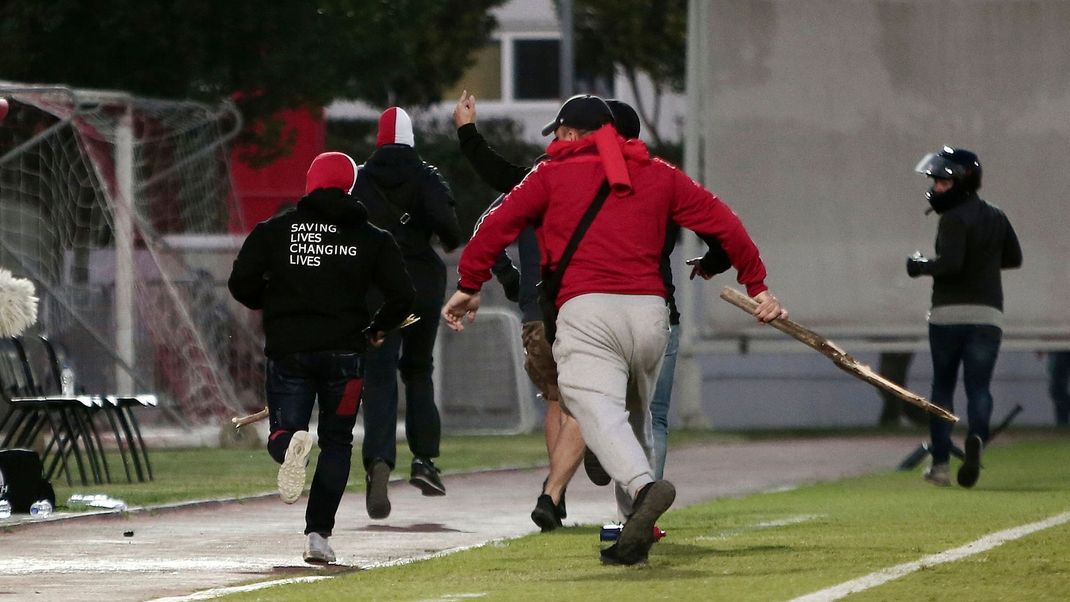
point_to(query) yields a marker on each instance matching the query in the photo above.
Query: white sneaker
(938, 474)
(317, 550)
(291, 478)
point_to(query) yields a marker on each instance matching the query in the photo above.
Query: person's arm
(439, 209)
(715, 261)
(499, 227)
(1012, 250)
(700, 210)
(249, 274)
(391, 277)
(950, 249)
(491, 167)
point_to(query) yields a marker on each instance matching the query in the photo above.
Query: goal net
(116, 207)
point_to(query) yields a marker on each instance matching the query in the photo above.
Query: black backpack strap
(397, 213)
(581, 229)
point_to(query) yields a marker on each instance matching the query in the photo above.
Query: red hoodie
(621, 251)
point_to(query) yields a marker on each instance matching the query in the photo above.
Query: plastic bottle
(5, 509)
(609, 534)
(40, 509)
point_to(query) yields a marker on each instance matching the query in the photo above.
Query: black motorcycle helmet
(960, 166)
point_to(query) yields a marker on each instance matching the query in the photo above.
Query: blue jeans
(1059, 385)
(659, 404)
(295, 382)
(976, 347)
(410, 351)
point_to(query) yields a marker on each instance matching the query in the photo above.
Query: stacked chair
(37, 382)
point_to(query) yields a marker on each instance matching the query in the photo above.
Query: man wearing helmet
(974, 242)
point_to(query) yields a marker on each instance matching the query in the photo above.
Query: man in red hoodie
(613, 324)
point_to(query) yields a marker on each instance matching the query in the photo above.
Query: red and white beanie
(395, 127)
(331, 170)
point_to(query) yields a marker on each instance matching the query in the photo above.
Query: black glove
(510, 282)
(916, 265)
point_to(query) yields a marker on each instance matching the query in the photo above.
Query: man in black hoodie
(974, 242)
(407, 197)
(308, 269)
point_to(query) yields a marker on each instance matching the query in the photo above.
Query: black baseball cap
(583, 112)
(625, 119)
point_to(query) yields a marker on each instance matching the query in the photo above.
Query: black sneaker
(594, 470)
(971, 462)
(545, 514)
(611, 556)
(562, 513)
(638, 533)
(375, 497)
(424, 476)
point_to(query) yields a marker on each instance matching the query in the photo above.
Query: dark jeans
(409, 351)
(976, 347)
(1059, 385)
(295, 382)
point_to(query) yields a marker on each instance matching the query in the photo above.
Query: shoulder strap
(581, 229)
(396, 212)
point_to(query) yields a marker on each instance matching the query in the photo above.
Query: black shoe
(594, 470)
(562, 513)
(424, 476)
(611, 555)
(375, 497)
(971, 462)
(638, 533)
(545, 514)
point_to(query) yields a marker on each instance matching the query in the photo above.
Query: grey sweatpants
(609, 350)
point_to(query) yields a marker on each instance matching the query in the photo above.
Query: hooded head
(625, 119)
(395, 127)
(585, 112)
(331, 170)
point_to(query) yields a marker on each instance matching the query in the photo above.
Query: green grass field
(777, 546)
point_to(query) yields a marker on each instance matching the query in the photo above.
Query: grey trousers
(609, 350)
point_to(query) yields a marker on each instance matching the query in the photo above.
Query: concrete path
(156, 553)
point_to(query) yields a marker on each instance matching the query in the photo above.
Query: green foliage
(635, 36)
(275, 55)
(437, 144)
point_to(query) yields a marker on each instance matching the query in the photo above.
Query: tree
(635, 36)
(274, 55)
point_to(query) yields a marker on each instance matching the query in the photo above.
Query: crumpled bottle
(40, 509)
(5, 509)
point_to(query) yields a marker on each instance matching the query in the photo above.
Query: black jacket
(502, 175)
(394, 183)
(974, 241)
(309, 269)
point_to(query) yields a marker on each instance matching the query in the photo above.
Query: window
(483, 78)
(535, 69)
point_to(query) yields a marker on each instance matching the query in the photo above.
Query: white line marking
(770, 524)
(30, 566)
(209, 594)
(222, 591)
(974, 547)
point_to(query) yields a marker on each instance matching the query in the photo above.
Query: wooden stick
(838, 356)
(240, 421)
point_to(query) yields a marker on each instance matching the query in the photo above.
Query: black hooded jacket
(974, 241)
(309, 270)
(395, 182)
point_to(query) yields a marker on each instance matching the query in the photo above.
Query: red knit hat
(331, 170)
(395, 127)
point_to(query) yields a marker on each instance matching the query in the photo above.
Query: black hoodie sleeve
(950, 247)
(393, 280)
(499, 174)
(440, 212)
(249, 275)
(716, 260)
(1012, 249)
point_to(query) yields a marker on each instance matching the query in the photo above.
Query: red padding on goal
(350, 401)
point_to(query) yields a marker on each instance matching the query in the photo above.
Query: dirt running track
(176, 552)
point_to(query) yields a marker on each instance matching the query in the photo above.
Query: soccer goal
(107, 201)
